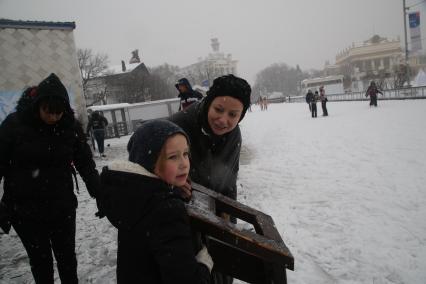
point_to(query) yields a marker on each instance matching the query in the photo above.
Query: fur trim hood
(129, 192)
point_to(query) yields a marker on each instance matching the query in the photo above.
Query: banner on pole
(415, 34)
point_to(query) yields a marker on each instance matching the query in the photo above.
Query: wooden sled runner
(253, 257)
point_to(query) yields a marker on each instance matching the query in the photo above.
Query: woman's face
(173, 164)
(224, 114)
(49, 118)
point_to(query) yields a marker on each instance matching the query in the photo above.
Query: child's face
(173, 164)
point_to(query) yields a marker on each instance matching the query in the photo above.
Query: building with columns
(375, 59)
(215, 64)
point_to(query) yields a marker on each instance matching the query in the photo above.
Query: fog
(256, 33)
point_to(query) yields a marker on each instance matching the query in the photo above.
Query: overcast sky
(256, 32)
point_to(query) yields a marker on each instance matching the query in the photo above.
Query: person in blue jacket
(187, 95)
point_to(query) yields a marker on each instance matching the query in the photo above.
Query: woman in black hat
(40, 144)
(212, 127)
(215, 138)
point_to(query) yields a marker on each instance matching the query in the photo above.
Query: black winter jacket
(189, 97)
(36, 162)
(154, 237)
(96, 122)
(309, 97)
(214, 159)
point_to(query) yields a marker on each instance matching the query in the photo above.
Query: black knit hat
(52, 87)
(230, 85)
(145, 145)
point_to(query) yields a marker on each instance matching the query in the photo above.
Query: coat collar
(130, 167)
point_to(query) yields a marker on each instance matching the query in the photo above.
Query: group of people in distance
(263, 103)
(42, 143)
(311, 100)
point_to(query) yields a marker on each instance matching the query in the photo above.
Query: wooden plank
(254, 257)
(236, 263)
(265, 244)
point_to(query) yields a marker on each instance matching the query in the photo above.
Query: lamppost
(407, 69)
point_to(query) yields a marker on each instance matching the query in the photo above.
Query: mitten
(204, 257)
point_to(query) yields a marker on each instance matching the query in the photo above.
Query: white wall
(27, 56)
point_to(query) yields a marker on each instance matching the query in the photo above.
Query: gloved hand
(204, 257)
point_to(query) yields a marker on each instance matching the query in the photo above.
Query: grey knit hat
(145, 145)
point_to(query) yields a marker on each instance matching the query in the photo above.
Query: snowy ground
(347, 193)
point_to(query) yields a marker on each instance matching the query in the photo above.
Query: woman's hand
(186, 190)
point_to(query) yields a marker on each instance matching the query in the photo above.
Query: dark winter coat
(154, 237)
(309, 97)
(96, 122)
(36, 161)
(372, 91)
(323, 96)
(214, 159)
(189, 97)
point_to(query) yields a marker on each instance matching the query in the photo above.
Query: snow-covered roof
(154, 102)
(275, 95)
(109, 107)
(324, 79)
(118, 69)
(127, 105)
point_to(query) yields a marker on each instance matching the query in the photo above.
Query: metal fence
(396, 94)
(123, 119)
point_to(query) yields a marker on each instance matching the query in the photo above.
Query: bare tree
(346, 71)
(278, 77)
(99, 96)
(91, 65)
(400, 75)
(163, 80)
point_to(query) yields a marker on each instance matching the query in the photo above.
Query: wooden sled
(253, 256)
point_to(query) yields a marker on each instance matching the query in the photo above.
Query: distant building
(374, 59)
(214, 65)
(120, 84)
(333, 84)
(29, 52)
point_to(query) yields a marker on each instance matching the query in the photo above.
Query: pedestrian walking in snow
(40, 144)
(324, 100)
(154, 236)
(215, 138)
(372, 91)
(309, 97)
(265, 103)
(96, 126)
(186, 95)
(314, 100)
